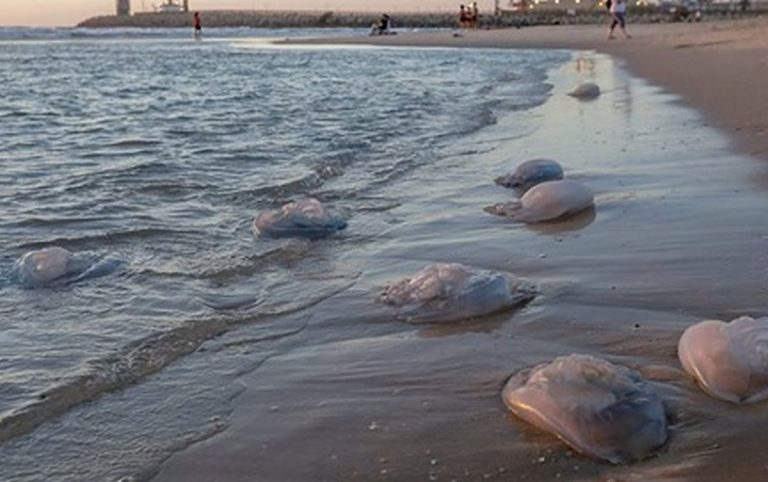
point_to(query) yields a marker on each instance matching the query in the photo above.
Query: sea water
(157, 151)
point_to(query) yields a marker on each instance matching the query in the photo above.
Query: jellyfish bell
(586, 91)
(531, 173)
(306, 218)
(728, 360)
(43, 266)
(598, 408)
(546, 202)
(55, 265)
(451, 291)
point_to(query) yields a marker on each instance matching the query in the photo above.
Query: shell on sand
(547, 201)
(306, 218)
(728, 360)
(531, 173)
(43, 266)
(451, 291)
(587, 90)
(598, 408)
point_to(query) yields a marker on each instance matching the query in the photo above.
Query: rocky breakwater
(319, 19)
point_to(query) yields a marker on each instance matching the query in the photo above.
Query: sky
(69, 12)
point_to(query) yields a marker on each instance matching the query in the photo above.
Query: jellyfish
(53, 264)
(587, 90)
(728, 360)
(306, 218)
(598, 408)
(531, 173)
(547, 201)
(451, 291)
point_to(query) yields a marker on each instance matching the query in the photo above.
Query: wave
(114, 237)
(139, 360)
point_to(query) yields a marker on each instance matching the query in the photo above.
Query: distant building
(170, 6)
(123, 8)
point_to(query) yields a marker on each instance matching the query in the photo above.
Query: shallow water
(157, 153)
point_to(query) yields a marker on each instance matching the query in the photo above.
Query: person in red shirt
(197, 24)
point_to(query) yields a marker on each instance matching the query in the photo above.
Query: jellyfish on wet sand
(451, 291)
(598, 408)
(728, 360)
(587, 90)
(531, 173)
(547, 201)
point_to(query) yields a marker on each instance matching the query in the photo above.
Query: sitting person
(382, 28)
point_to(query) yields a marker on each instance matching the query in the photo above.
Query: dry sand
(679, 235)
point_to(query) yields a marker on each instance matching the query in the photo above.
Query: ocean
(156, 151)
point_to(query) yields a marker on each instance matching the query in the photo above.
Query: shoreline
(718, 67)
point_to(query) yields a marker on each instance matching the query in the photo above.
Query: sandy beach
(679, 235)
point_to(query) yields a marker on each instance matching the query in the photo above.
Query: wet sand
(680, 233)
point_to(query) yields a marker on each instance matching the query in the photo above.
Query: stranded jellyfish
(728, 360)
(587, 90)
(547, 201)
(531, 173)
(451, 291)
(598, 408)
(307, 218)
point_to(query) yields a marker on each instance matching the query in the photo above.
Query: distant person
(383, 27)
(474, 15)
(618, 11)
(198, 24)
(463, 17)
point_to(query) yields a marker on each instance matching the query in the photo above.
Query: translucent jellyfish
(451, 291)
(547, 201)
(531, 173)
(587, 90)
(307, 218)
(48, 265)
(598, 408)
(728, 360)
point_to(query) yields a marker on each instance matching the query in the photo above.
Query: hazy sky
(69, 12)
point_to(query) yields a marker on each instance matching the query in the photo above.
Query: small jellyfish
(306, 218)
(587, 90)
(43, 266)
(547, 201)
(451, 291)
(598, 408)
(55, 264)
(531, 173)
(728, 360)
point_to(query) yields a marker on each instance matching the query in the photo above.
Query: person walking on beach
(197, 23)
(463, 16)
(618, 11)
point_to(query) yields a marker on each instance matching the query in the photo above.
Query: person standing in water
(198, 25)
(618, 11)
